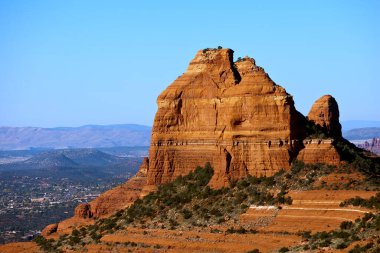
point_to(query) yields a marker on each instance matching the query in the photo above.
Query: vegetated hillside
(135, 151)
(362, 133)
(76, 164)
(10, 156)
(90, 136)
(48, 160)
(69, 158)
(188, 204)
(91, 157)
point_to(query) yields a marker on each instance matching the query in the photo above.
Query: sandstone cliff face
(230, 114)
(319, 151)
(325, 112)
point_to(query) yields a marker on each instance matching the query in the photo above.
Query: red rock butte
(230, 114)
(234, 116)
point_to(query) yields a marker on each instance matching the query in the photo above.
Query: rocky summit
(234, 116)
(325, 112)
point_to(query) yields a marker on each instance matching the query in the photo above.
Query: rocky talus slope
(291, 210)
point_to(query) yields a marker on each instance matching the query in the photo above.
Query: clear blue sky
(70, 63)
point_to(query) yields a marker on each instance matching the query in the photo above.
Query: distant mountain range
(362, 133)
(77, 164)
(353, 124)
(89, 136)
(73, 158)
(124, 135)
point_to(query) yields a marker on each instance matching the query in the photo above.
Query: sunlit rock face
(325, 113)
(230, 114)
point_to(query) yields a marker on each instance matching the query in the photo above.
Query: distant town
(40, 188)
(28, 204)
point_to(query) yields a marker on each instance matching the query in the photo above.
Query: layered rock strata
(319, 151)
(229, 114)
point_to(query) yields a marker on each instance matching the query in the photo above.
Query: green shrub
(75, 232)
(342, 245)
(306, 235)
(346, 225)
(187, 214)
(297, 166)
(283, 249)
(365, 248)
(46, 245)
(243, 206)
(75, 239)
(254, 251)
(240, 230)
(341, 234)
(322, 235)
(216, 212)
(373, 202)
(325, 243)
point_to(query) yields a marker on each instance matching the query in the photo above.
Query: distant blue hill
(76, 164)
(89, 136)
(362, 133)
(353, 124)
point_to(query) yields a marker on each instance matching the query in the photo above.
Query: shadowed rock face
(229, 114)
(319, 151)
(325, 112)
